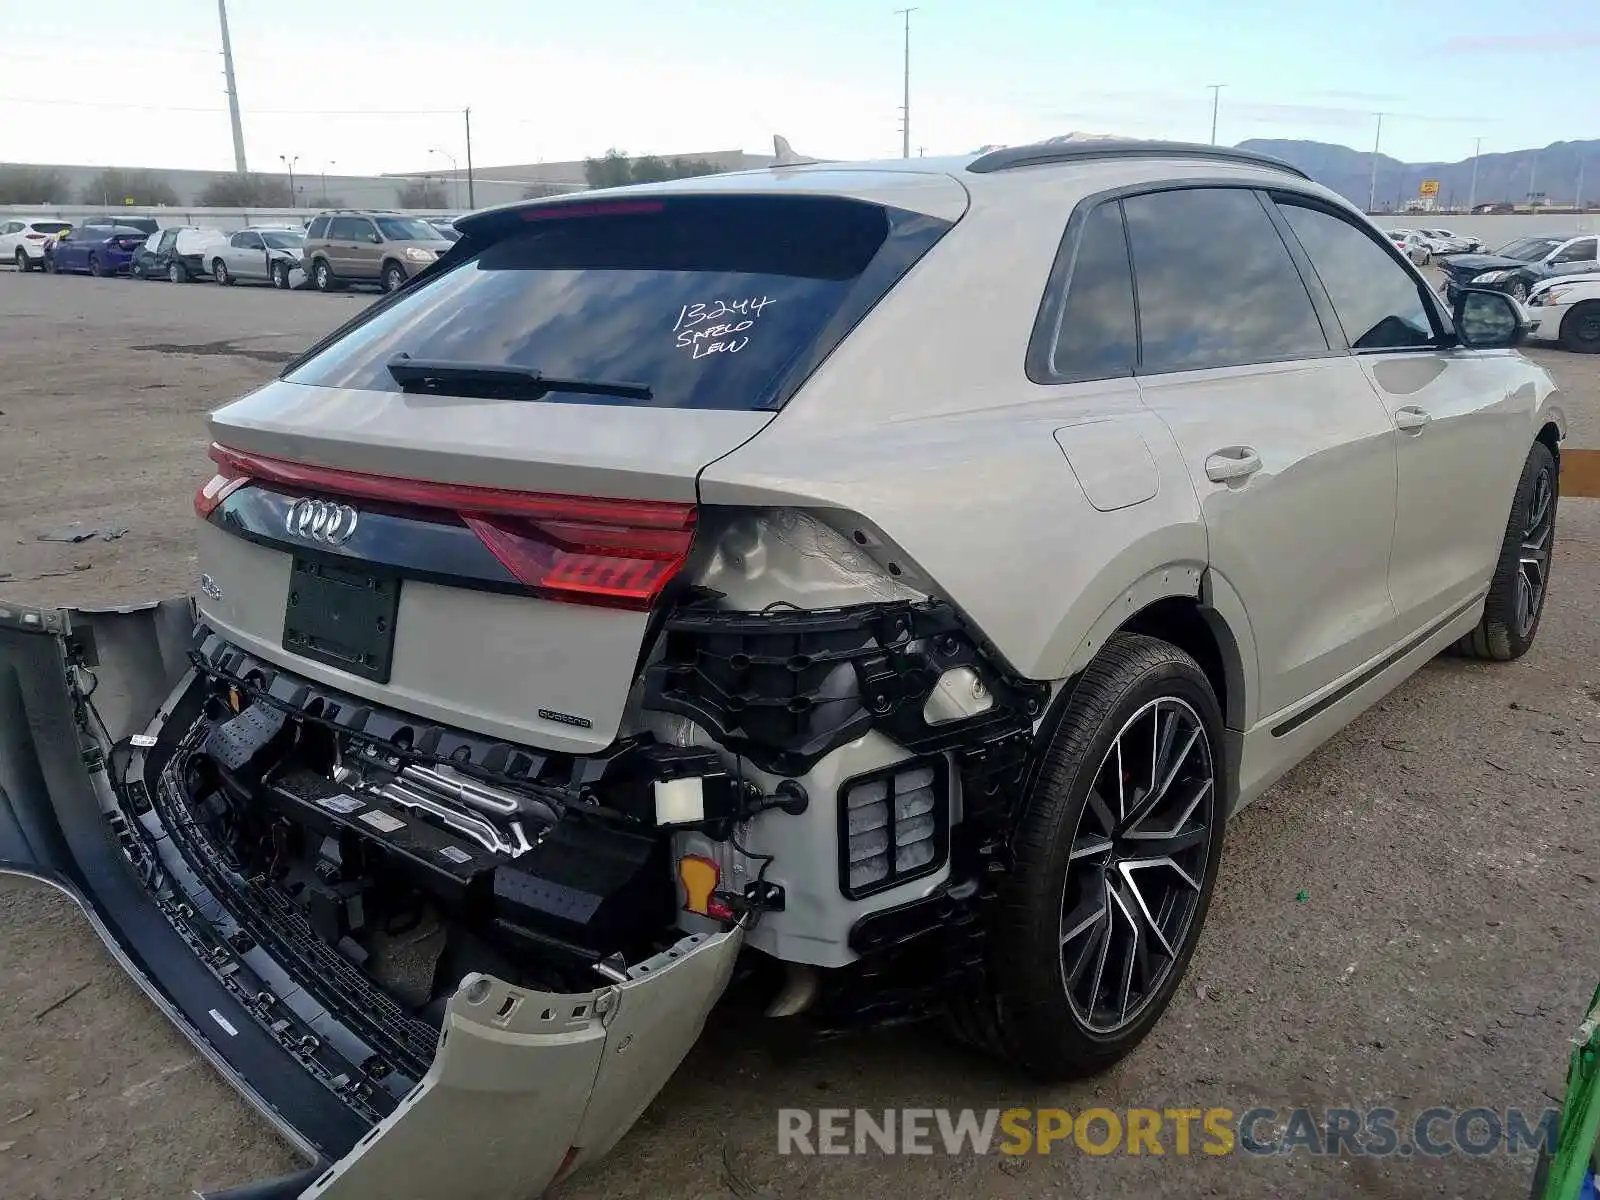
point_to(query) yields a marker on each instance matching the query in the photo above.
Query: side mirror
(1489, 320)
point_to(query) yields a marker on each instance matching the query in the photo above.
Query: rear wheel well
(1181, 621)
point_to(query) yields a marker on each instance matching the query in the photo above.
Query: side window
(1216, 284)
(250, 241)
(342, 229)
(318, 228)
(11, 227)
(1582, 250)
(1095, 338)
(169, 238)
(362, 230)
(1378, 303)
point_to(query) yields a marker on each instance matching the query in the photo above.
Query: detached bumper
(524, 1085)
(528, 1085)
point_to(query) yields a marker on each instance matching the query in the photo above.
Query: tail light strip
(583, 549)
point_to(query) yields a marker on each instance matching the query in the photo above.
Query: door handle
(1411, 418)
(1234, 462)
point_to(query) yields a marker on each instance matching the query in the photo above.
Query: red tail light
(585, 549)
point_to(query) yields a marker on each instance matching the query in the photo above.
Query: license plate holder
(343, 616)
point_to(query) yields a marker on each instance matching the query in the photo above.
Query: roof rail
(1041, 153)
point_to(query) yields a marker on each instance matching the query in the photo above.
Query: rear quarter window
(710, 302)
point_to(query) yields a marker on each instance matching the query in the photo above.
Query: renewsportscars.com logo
(1348, 1132)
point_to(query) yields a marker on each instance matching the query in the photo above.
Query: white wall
(1494, 230)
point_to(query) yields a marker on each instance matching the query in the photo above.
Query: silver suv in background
(369, 246)
(899, 570)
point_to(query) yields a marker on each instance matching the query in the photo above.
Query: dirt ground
(1410, 919)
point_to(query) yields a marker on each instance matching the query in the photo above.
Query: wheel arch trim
(1218, 606)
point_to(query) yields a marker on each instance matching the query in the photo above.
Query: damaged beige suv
(885, 579)
(346, 246)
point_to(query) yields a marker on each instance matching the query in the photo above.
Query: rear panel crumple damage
(512, 1085)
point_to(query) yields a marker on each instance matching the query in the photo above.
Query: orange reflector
(699, 876)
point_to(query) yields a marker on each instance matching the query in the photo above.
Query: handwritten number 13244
(691, 315)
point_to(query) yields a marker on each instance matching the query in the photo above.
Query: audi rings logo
(322, 521)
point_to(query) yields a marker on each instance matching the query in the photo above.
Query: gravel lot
(1445, 844)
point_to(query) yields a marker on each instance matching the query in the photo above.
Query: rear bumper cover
(524, 1084)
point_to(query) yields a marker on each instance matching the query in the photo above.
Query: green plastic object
(1580, 1114)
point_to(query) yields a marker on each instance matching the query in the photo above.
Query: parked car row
(333, 250)
(1422, 246)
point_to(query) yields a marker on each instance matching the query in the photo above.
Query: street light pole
(325, 166)
(1472, 197)
(1577, 202)
(290, 162)
(1216, 95)
(455, 176)
(905, 109)
(1372, 187)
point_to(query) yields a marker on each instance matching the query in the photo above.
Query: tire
(322, 276)
(22, 261)
(1515, 604)
(394, 276)
(280, 276)
(1580, 328)
(95, 268)
(219, 272)
(1075, 858)
(177, 272)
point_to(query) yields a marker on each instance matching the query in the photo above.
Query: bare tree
(116, 186)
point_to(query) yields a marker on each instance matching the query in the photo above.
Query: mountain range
(1558, 170)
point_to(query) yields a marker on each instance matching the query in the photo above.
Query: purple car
(97, 249)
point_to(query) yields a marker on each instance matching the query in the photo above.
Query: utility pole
(1533, 175)
(1577, 202)
(290, 162)
(1372, 187)
(1472, 196)
(233, 89)
(905, 109)
(1216, 95)
(471, 202)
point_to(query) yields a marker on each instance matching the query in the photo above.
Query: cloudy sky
(368, 86)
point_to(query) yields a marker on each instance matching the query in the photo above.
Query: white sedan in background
(1566, 310)
(1412, 244)
(1443, 241)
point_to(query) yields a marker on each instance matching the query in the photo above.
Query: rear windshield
(48, 226)
(707, 301)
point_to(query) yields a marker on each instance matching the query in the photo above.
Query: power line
(266, 112)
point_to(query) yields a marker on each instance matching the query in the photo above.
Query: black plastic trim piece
(1046, 153)
(785, 687)
(1371, 673)
(941, 825)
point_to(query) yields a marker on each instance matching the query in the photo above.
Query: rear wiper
(499, 381)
